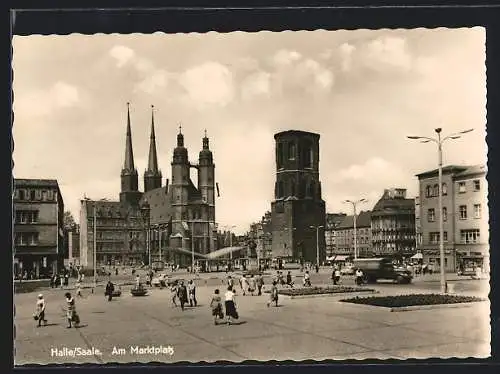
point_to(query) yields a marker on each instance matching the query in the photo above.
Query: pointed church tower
(152, 176)
(129, 177)
(206, 186)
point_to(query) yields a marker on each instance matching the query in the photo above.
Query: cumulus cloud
(256, 84)
(155, 81)
(375, 172)
(389, 51)
(121, 54)
(346, 51)
(286, 57)
(208, 84)
(45, 102)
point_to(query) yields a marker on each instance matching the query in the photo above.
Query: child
(273, 295)
(216, 306)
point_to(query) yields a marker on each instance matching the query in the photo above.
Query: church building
(164, 222)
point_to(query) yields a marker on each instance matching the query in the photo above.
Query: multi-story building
(261, 233)
(72, 241)
(465, 216)
(344, 234)
(332, 221)
(298, 211)
(393, 224)
(38, 227)
(179, 217)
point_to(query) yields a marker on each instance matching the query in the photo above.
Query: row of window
(469, 236)
(462, 213)
(35, 195)
(26, 238)
(433, 191)
(26, 216)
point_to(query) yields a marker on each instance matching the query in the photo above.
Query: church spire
(205, 141)
(129, 153)
(152, 176)
(180, 137)
(153, 158)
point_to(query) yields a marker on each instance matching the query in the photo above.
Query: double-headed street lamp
(354, 204)
(439, 141)
(317, 242)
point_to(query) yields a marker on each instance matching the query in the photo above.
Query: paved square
(300, 329)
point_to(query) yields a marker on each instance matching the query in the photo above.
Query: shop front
(34, 266)
(432, 257)
(469, 261)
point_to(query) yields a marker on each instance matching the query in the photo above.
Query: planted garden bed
(306, 291)
(402, 301)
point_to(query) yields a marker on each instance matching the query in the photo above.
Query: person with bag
(71, 313)
(230, 305)
(40, 311)
(216, 305)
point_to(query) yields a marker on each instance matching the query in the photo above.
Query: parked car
(382, 268)
(347, 270)
(160, 280)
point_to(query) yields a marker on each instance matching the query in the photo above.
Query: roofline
(296, 132)
(448, 169)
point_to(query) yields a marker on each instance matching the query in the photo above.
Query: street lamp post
(192, 247)
(317, 242)
(439, 141)
(145, 209)
(354, 203)
(95, 246)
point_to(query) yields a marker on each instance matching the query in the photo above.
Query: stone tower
(152, 175)
(298, 210)
(206, 186)
(180, 185)
(129, 192)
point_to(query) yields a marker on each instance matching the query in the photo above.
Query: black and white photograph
(297, 195)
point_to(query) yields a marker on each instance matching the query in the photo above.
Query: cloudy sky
(363, 91)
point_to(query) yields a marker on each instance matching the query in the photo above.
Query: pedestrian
(307, 279)
(116, 271)
(252, 285)
(260, 283)
(333, 277)
(192, 293)
(216, 305)
(244, 284)
(40, 311)
(317, 268)
(79, 288)
(273, 296)
(182, 294)
(66, 278)
(289, 280)
(281, 281)
(61, 281)
(359, 277)
(137, 280)
(230, 304)
(109, 290)
(174, 291)
(53, 281)
(230, 281)
(337, 276)
(71, 313)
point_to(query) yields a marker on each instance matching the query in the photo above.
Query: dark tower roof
(295, 133)
(128, 165)
(153, 158)
(180, 152)
(180, 138)
(206, 153)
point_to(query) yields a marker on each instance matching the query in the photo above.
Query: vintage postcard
(300, 195)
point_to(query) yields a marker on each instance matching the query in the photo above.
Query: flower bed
(321, 290)
(402, 301)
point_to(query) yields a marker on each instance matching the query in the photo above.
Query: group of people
(71, 315)
(185, 294)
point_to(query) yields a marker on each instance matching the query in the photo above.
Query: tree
(69, 221)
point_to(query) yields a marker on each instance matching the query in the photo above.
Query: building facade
(465, 216)
(393, 224)
(38, 228)
(261, 233)
(298, 210)
(163, 223)
(332, 222)
(72, 242)
(418, 225)
(344, 235)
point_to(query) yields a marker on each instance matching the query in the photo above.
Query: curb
(435, 306)
(337, 294)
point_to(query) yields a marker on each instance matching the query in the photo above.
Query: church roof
(106, 208)
(159, 204)
(364, 219)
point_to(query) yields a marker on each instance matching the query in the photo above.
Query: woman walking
(216, 305)
(273, 296)
(40, 311)
(110, 288)
(230, 305)
(71, 313)
(182, 294)
(192, 293)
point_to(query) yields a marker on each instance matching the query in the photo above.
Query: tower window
(292, 151)
(21, 195)
(279, 159)
(32, 195)
(281, 191)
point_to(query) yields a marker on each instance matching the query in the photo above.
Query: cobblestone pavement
(299, 329)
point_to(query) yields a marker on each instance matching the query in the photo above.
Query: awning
(418, 256)
(341, 258)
